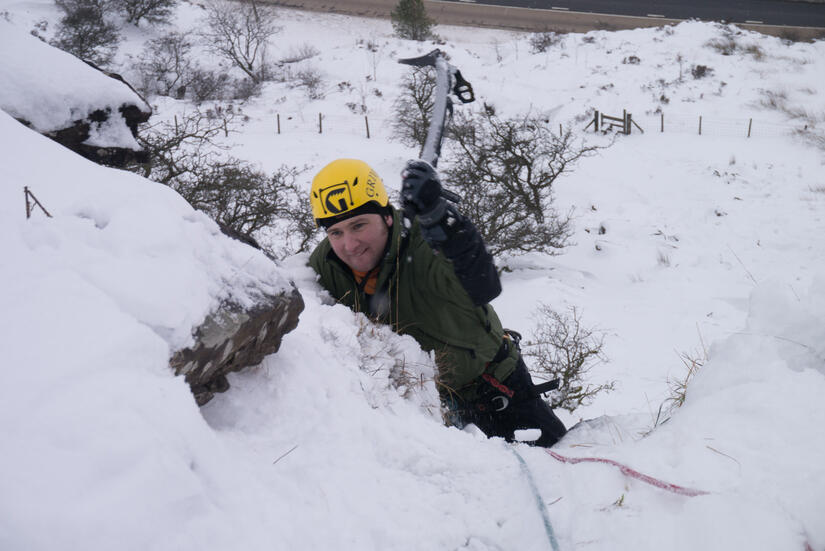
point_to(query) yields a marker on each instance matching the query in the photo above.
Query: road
(769, 12)
(586, 15)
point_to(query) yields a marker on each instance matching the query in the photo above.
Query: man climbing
(431, 278)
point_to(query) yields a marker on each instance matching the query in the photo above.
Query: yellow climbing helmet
(343, 186)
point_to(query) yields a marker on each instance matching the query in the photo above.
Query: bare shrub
(239, 196)
(244, 88)
(240, 32)
(413, 107)
(541, 42)
(311, 79)
(152, 11)
(186, 146)
(165, 67)
(725, 46)
(562, 348)
(505, 169)
(302, 53)
(774, 99)
(755, 51)
(85, 31)
(208, 85)
(186, 154)
(701, 71)
(728, 44)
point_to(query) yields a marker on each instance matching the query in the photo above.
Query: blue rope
(548, 528)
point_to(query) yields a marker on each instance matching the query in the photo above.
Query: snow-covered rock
(71, 101)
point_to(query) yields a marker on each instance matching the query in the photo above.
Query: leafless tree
(505, 169)
(152, 11)
(240, 32)
(165, 67)
(413, 107)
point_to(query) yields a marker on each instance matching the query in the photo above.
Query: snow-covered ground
(712, 246)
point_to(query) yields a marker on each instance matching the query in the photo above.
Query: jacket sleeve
(472, 263)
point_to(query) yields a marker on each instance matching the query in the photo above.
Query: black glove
(421, 194)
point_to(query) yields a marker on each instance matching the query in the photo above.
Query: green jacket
(419, 294)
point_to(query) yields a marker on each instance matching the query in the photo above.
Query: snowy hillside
(706, 245)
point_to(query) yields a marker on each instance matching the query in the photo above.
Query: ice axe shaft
(447, 78)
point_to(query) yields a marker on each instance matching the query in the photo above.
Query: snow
(712, 248)
(51, 89)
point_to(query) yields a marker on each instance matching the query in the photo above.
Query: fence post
(320, 124)
(225, 129)
(663, 122)
(700, 125)
(628, 121)
(596, 120)
(750, 125)
(279, 122)
(367, 124)
(32, 201)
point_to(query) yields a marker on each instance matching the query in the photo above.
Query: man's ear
(388, 220)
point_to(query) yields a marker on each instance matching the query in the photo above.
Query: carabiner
(504, 403)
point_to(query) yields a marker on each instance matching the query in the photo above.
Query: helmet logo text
(371, 185)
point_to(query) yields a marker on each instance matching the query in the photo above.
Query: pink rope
(631, 473)
(676, 489)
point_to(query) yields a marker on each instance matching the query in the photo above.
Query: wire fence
(367, 126)
(321, 123)
(701, 125)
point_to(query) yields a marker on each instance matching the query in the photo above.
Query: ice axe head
(436, 59)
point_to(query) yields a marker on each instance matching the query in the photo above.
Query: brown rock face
(233, 338)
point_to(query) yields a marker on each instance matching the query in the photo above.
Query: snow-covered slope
(711, 241)
(95, 427)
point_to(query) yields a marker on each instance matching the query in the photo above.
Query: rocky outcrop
(233, 338)
(92, 112)
(76, 137)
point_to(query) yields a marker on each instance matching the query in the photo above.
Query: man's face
(359, 241)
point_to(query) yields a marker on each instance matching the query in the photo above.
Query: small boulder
(233, 338)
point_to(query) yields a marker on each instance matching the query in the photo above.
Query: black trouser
(524, 411)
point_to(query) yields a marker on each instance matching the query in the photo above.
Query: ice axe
(447, 78)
